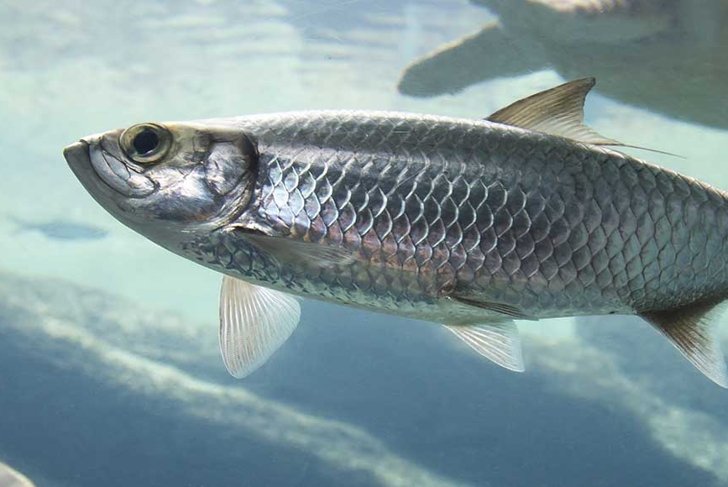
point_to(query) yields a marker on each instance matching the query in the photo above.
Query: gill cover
(227, 154)
(231, 160)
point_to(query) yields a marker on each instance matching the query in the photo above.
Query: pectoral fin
(507, 310)
(254, 323)
(498, 342)
(689, 330)
(289, 250)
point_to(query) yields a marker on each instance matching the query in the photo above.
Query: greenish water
(109, 369)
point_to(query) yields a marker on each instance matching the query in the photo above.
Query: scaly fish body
(433, 206)
(462, 222)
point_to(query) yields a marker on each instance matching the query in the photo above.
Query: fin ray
(689, 330)
(505, 309)
(254, 322)
(289, 250)
(498, 342)
(556, 111)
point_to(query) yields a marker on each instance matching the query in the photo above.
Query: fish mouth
(100, 171)
(77, 156)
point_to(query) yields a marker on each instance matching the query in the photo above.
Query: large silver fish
(469, 223)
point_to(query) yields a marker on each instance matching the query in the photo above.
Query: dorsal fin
(557, 111)
(688, 329)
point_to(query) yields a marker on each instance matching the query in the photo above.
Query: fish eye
(146, 143)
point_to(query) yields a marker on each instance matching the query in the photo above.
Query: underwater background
(109, 366)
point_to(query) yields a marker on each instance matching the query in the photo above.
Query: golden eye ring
(146, 143)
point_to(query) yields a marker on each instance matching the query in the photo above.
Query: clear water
(109, 370)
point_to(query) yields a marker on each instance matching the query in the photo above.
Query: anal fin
(498, 342)
(689, 330)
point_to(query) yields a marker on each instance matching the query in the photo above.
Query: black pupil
(145, 142)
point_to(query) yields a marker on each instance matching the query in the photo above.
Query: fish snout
(93, 163)
(76, 154)
(78, 158)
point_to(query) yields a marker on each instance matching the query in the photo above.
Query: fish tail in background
(459, 65)
(690, 330)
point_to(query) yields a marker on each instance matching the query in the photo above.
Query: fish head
(169, 181)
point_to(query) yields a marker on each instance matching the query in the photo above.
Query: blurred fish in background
(60, 229)
(642, 51)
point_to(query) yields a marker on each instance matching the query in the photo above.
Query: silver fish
(469, 223)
